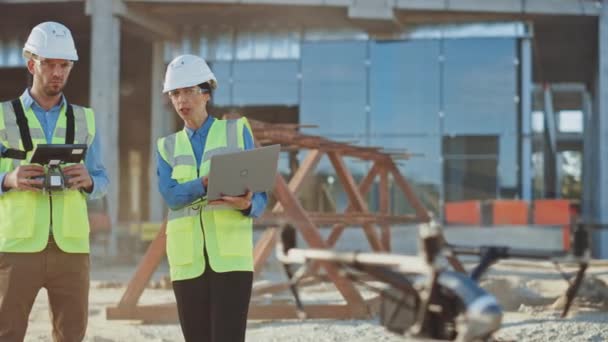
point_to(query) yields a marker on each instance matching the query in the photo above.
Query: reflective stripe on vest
(83, 120)
(26, 215)
(13, 134)
(193, 210)
(225, 234)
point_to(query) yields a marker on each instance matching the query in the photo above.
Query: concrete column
(600, 139)
(161, 124)
(104, 92)
(526, 119)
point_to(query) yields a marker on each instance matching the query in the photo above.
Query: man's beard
(52, 91)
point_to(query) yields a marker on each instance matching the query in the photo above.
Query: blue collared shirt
(179, 195)
(48, 121)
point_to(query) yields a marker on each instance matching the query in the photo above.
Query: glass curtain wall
(451, 102)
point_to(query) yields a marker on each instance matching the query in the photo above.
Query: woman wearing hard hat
(210, 252)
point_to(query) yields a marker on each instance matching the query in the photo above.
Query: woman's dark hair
(206, 87)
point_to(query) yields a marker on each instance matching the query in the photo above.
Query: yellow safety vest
(226, 235)
(26, 217)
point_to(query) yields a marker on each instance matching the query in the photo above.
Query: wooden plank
(355, 196)
(264, 246)
(159, 313)
(313, 238)
(167, 313)
(364, 187)
(351, 218)
(287, 311)
(308, 165)
(421, 212)
(145, 269)
(385, 209)
(280, 287)
(356, 213)
(337, 229)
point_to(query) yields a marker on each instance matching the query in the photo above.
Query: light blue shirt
(179, 195)
(48, 121)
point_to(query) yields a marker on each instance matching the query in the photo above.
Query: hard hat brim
(70, 56)
(188, 84)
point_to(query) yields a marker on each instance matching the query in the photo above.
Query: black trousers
(214, 306)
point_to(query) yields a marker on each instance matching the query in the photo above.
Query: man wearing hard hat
(44, 236)
(210, 252)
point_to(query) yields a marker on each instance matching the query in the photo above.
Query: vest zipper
(200, 219)
(51, 212)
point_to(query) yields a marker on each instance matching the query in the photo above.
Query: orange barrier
(509, 212)
(465, 212)
(551, 211)
(554, 212)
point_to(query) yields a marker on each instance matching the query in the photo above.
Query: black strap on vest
(26, 137)
(69, 133)
(24, 129)
(14, 154)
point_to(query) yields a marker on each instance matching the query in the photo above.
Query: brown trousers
(66, 279)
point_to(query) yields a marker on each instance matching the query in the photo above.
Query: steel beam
(382, 9)
(600, 140)
(550, 150)
(526, 118)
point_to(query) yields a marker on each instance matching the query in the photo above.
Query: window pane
(470, 179)
(286, 44)
(334, 87)
(508, 165)
(571, 121)
(221, 96)
(265, 83)
(356, 166)
(424, 165)
(480, 86)
(13, 56)
(222, 43)
(470, 168)
(3, 51)
(470, 145)
(244, 45)
(538, 121)
(422, 171)
(405, 87)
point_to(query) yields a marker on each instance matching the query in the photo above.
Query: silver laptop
(232, 174)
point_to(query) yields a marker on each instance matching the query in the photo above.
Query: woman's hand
(242, 202)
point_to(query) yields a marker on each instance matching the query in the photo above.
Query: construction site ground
(528, 291)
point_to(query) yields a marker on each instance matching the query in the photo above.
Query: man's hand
(79, 177)
(237, 202)
(21, 178)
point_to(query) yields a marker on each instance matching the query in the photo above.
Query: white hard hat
(51, 40)
(187, 71)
